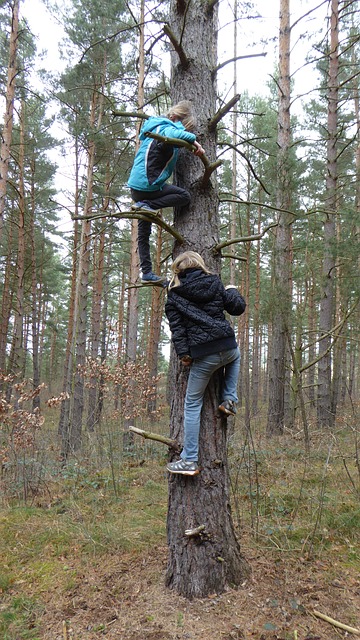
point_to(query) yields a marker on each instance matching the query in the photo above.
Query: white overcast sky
(253, 73)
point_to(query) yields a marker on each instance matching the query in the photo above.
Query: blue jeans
(200, 373)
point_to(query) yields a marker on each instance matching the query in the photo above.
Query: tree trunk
(6, 302)
(133, 294)
(157, 308)
(35, 300)
(98, 276)
(326, 318)
(282, 291)
(256, 359)
(18, 342)
(209, 561)
(64, 427)
(6, 134)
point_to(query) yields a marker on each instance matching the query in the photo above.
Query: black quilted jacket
(195, 311)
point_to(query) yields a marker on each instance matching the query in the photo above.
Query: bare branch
(233, 257)
(222, 112)
(184, 61)
(308, 13)
(172, 444)
(336, 331)
(243, 155)
(130, 114)
(251, 55)
(256, 236)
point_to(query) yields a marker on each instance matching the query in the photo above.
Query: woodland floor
(78, 564)
(125, 598)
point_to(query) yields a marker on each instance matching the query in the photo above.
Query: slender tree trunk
(18, 342)
(64, 428)
(6, 134)
(311, 319)
(234, 156)
(75, 439)
(157, 307)
(98, 277)
(206, 563)
(120, 345)
(256, 368)
(281, 284)
(6, 301)
(133, 294)
(35, 312)
(324, 397)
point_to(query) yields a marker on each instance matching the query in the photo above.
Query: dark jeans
(169, 196)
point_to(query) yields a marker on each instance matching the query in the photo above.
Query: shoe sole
(184, 473)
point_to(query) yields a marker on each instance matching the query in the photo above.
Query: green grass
(18, 620)
(287, 502)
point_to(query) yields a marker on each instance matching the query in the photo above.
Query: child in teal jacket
(153, 165)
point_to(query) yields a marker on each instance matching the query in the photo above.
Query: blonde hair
(186, 260)
(182, 111)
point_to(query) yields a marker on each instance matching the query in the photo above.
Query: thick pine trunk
(205, 563)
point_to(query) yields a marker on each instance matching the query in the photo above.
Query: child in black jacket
(204, 340)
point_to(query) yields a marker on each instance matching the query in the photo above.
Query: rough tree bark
(324, 404)
(6, 134)
(282, 271)
(209, 560)
(132, 319)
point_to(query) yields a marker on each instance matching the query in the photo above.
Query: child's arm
(234, 303)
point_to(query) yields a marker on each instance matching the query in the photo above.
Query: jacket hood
(196, 285)
(152, 124)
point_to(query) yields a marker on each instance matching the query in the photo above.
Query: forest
(95, 538)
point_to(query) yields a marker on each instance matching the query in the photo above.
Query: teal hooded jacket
(155, 161)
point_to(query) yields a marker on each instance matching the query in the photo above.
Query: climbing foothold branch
(195, 532)
(173, 444)
(153, 218)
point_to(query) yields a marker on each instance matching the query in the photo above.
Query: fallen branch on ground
(335, 623)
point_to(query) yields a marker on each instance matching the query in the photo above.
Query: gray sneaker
(228, 407)
(151, 277)
(142, 206)
(183, 467)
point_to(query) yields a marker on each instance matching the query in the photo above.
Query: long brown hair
(186, 260)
